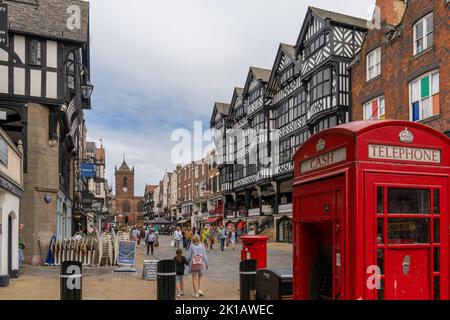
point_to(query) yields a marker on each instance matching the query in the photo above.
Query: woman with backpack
(198, 264)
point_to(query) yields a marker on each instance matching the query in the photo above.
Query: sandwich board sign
(127, 253)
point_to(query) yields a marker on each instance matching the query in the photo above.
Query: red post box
(255, 247)
(371, 213)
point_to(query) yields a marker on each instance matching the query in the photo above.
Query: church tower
(124, 186)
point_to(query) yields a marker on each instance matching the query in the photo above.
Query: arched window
(285, 230)
(125, 182)
(126, 206)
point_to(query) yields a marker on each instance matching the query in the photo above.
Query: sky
(158, 66)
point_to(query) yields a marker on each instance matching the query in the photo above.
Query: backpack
(197, 262)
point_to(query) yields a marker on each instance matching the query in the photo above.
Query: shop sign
(87, 170)
(386, 152)
(324, 160)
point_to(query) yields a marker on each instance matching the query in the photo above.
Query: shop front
(11, 188)
(371, 213)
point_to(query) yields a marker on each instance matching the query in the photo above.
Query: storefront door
(408, 237)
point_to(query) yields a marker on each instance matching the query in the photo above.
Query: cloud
(160, 65)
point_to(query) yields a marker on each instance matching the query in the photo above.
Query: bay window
(424, 96)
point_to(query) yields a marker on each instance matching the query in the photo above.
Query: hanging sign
(87, 170)
(3, 25)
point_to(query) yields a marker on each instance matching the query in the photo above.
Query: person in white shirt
(177, 237)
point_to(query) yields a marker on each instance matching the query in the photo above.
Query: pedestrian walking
(188, 234)
(232, 238)
(180, 264)
(177, 237)
(252, 231)
(222, 237)
(198, 264)
(151, 238)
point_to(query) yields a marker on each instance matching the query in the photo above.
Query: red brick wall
(399, 67)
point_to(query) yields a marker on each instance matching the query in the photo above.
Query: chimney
(391, 11)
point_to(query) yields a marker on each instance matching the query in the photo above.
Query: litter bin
(255, 247)
(247, 278)
(166, 280)
(71, 280)
(274, 284)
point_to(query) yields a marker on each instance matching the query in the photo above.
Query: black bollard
(247, 278)
(71, 280)
(166, 280)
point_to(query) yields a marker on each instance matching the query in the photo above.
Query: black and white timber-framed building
(307, 90)
(44, 91)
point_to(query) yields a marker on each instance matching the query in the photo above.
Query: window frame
(418, 80)
(30, 50)
(379, 114)
(425, 33)
(376, 66)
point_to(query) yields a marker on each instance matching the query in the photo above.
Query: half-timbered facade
(44, 88)
(327, 44)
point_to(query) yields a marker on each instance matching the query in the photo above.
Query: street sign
(3, 25)
(87, 170)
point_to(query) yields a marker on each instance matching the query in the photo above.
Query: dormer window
(423, 34)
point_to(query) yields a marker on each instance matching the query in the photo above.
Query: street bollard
(166, 280)
(71, 280)
(247, 278)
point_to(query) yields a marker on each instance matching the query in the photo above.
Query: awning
(183, 221)
(212, 219)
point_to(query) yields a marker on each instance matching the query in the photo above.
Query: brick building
(402, 71)
(127, 206)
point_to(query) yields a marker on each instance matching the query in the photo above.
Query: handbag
(172, 243)
(156, 245)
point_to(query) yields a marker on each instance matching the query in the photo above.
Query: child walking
(180, 262)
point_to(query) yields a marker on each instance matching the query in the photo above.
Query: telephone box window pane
(436, 201)
(381, 290)
(380, 260)
(408, 231)
(380, 200)
(408, 201)
(437, 259)
(437, 288)
(380, 231)
(436, 227)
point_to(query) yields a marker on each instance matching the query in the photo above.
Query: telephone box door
(410, 235)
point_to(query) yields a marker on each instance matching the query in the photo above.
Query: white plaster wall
(9, 203)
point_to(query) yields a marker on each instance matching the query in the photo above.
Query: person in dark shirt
(180, 263)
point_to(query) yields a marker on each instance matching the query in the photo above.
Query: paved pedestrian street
(221, 282)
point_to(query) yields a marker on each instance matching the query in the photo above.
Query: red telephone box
(371, 213)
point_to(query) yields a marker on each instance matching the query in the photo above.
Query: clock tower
(125, 204)
(124, 181)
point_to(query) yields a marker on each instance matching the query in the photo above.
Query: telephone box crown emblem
(406, 136)
(320, 146)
